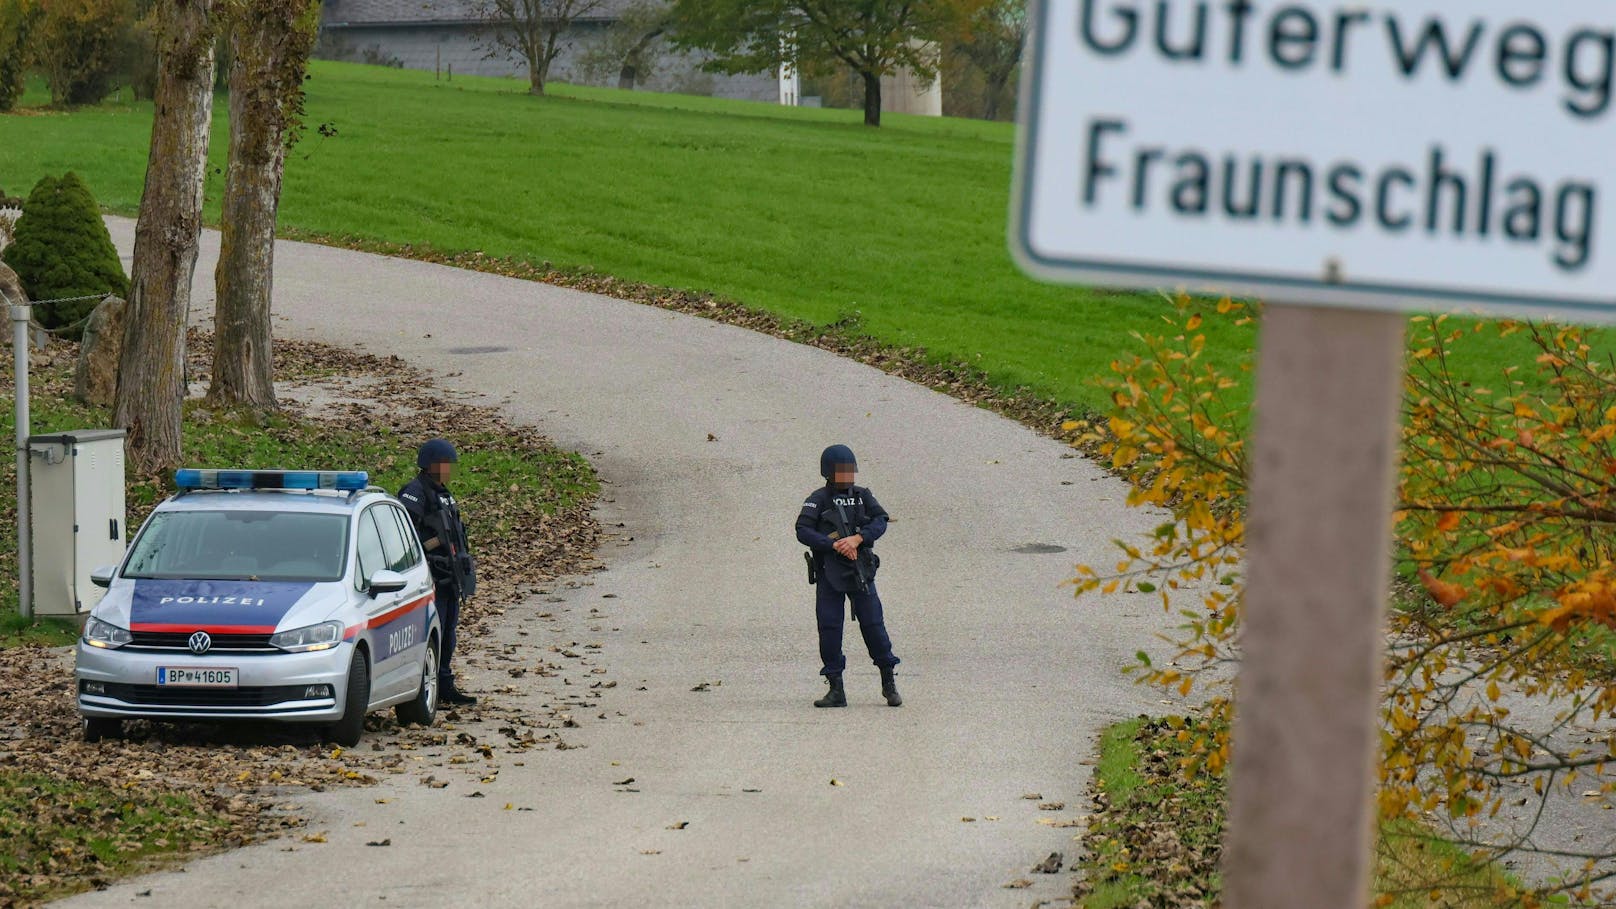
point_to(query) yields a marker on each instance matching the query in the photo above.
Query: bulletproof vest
(833, 568)
(441, 512)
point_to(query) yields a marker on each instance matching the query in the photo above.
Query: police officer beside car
(436, 517)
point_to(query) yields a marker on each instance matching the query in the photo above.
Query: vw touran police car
(298, 596)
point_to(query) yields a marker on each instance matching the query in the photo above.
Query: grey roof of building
(426, 13)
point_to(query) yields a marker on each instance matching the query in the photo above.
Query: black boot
(889, 688)
(454, 697)
(836, 696)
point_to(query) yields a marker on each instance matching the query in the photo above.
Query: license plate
(181, 677)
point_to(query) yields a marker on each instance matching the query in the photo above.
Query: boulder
(12, 292)
(11, 286)
(96, 380)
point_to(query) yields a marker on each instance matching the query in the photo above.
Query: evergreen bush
(61, 248)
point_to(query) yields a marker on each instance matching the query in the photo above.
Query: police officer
(840, 523)
(436, 517)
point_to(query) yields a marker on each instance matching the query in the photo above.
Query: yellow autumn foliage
(1506, 566)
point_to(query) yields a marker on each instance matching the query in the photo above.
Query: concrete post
(1319, 551)
(21, 314)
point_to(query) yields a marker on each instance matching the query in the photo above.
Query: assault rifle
(456, 565)
(846, 531)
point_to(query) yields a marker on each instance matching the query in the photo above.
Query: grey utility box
(76, 493)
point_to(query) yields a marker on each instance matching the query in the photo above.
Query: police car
(297, 596)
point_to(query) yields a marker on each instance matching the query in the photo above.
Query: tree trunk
(269, 55)
(995, 88)
(151, 373)
(872, 99)
(626, 77)
(535, 76)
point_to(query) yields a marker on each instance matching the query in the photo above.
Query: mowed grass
(802, 212)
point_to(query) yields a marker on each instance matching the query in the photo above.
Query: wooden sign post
(1348, 163)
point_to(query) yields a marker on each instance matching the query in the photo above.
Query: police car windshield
(241, 546)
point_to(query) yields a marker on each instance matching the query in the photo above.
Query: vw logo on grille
(200, 642)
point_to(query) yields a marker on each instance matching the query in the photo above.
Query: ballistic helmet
(836, 454)
(436, 452)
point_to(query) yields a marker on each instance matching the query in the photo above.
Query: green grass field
(802, 212)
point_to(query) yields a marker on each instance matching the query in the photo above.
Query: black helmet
(836, 454)
(436, 452)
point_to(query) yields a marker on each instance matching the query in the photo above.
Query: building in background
(451, 37)
(903, 92)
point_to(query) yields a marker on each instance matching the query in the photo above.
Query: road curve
(1007, 681)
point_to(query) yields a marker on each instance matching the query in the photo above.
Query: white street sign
(1395, 155)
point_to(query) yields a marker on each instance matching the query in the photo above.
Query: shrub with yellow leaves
(1504, 635)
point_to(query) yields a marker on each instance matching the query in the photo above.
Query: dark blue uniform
(818, 527)
(437, 520)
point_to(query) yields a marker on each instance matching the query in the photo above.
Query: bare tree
(151, 373)
(631, 48)
(270, 42)
(532, 30)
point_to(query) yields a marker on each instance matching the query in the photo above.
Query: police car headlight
(323, 636)
(105, 634)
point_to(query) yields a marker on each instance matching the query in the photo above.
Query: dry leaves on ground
(244, 779)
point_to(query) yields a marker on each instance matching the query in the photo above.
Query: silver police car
(297, 596)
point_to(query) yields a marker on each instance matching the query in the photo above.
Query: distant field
(802, 212)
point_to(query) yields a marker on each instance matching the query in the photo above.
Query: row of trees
(871, 38)
(269, 43)
(82, 48)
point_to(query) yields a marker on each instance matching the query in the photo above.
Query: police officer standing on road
(840, 523)
(436, 517)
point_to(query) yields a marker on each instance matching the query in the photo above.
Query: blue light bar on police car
(343, 480)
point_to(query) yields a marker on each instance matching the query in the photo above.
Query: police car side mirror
(385, 581)
(102, 577)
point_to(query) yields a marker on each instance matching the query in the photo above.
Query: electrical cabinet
(76, 492)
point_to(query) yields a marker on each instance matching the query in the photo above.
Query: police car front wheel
(347, 730)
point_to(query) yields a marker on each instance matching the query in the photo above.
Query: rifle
(858, 557)
(457, 565)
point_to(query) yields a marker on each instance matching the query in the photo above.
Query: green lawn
(802, 212)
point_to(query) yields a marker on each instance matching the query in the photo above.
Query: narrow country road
(1008, 681)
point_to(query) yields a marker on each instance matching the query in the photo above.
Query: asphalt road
(1008, 681)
